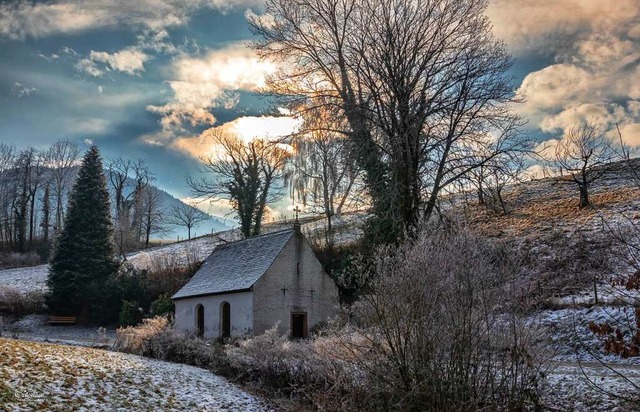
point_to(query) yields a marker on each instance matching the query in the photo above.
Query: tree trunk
(584, 196)
(46, 211)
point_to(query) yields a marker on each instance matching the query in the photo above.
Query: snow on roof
(236, 266)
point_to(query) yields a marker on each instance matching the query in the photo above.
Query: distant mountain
(167, 203)
(214, 224)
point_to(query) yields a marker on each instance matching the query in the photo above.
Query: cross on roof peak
(297, 212)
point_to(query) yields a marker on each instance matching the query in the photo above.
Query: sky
(146, 79)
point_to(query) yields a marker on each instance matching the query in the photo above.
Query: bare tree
(324, 174)
(580, 155)
(187, 216)
(153, 215)
(143, 179)
(63, 157)
(417, 83)
(8, 192)
(432, 311)
(506, 171)
(128, 181)
(29, 169)
(45, 223)
(245, 173)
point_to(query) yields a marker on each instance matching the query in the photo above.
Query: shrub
(155, 339)
(129, 285)
(431, 329)
(284, 368)
(129, 313)
(130, 339)
(13, 302)
(187, 349)
(17, 260)
(167, 273)
(162, 306)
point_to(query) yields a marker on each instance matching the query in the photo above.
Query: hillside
(564, 248)
(181, 254)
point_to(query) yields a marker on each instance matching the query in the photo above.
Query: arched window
(199, 320)
(225, 319)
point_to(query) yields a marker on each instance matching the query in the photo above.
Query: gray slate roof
(235, 266)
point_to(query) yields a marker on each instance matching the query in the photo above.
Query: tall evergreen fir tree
(84, 257)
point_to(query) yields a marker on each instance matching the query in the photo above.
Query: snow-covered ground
(591, 386)
(38, 376)
(566, 333)
(27, 279)
(36, 328)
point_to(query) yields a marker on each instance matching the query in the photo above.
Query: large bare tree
(417, 82)
(245, 173)
(324, 175)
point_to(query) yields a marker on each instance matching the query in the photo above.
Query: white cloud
(89, 67)
(130, 60)
(596, 49)
(24, 18)
(536, 25)
(201, 84)
(554, 87)
(599, 113)
(20, 90)
(631, 134)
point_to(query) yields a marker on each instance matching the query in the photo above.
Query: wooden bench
(62, 320)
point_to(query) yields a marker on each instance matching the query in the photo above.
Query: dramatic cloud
(23, 18)
(201, 84)
(548, 24)
(595, 49)
(247, 128)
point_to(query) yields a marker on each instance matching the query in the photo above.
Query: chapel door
(299, 325)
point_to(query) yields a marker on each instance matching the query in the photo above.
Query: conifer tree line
(34, 196)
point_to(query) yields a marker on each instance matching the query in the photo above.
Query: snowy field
(38, 376)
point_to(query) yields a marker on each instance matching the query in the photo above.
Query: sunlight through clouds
(202, 83)
(246, 128)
